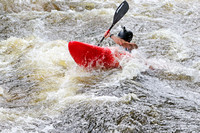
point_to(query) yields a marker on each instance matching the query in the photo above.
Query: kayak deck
(95, 57)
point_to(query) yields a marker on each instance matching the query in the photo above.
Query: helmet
(125, 35)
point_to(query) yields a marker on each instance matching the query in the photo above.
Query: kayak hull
(95, 57)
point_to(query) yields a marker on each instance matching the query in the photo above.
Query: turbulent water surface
(43, 90)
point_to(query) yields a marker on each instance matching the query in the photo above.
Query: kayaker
(123, 39)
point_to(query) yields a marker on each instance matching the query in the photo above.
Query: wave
(49, 5)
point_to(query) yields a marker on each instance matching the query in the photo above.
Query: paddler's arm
(121, 42)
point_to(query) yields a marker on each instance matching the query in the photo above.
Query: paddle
(119, 13)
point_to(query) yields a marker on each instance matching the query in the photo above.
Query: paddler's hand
(106, 35)
(130, 46)
(124, 44)
(133, 45)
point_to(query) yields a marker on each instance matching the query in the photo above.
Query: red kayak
(95, 57)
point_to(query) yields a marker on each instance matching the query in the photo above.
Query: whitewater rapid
(42, 89)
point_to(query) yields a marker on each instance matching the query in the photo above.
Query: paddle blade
(120, 12)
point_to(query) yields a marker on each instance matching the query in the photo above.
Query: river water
(43, 90)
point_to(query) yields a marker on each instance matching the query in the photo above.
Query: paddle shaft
(106, 34)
